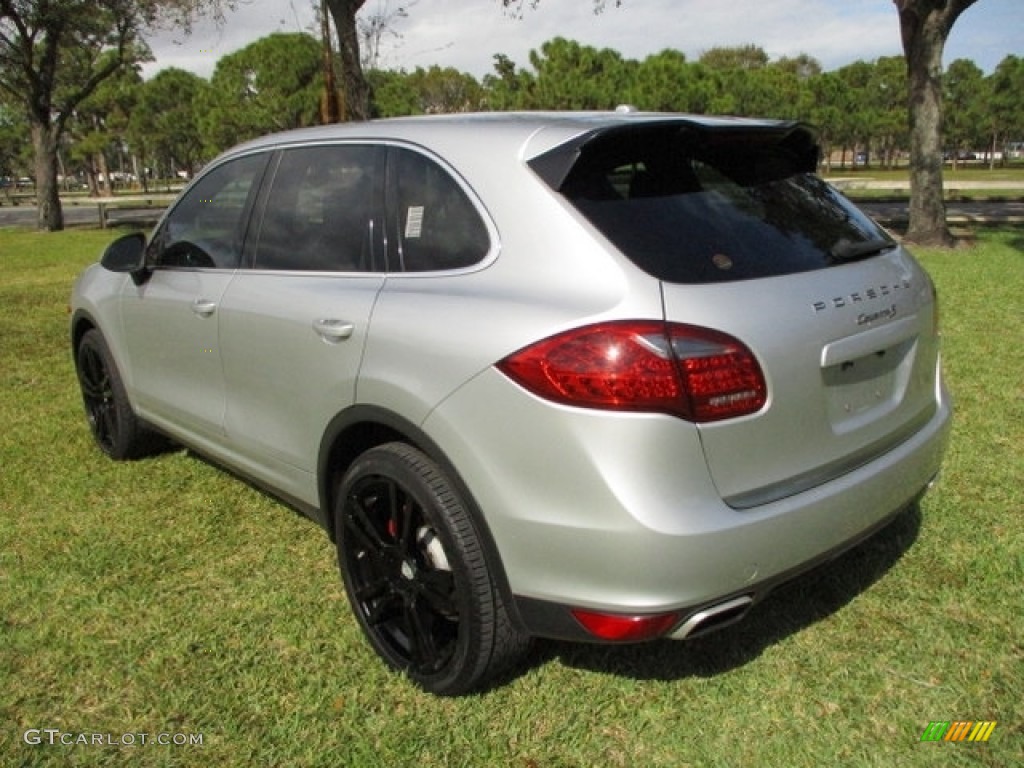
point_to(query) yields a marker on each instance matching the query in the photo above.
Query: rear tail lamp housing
(695, 373)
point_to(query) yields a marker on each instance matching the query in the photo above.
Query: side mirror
(127, 254)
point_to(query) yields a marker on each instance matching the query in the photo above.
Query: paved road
(25, 216)
(886, 213)
(956, 212)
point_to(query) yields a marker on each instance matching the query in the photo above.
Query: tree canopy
(924, 28)
(176, 121)
(54, 54)
(270, 85)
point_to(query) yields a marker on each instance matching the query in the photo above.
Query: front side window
(434, 224)
(205, 229)
(702, 206)
(321, 210)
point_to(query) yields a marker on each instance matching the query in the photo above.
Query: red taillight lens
(625, 629)
(688, 371)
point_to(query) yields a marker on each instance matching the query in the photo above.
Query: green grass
(167, 596)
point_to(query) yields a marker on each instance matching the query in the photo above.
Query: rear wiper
(845, 250)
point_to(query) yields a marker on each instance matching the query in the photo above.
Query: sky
(466, 34)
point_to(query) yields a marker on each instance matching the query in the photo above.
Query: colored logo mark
(958, 730)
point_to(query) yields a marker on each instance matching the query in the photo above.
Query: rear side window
(695, 205)
(434, 225)
(320, 211)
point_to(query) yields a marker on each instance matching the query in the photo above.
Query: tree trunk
(91, 180)
(355, 90)
(139, 170)
(330, 111)
(106, 185)
(924, 27)
(44, 142)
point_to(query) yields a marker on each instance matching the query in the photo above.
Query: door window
(320, 212)
(206, 228)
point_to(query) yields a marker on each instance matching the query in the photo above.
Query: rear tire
(417, 576)
(117, 430)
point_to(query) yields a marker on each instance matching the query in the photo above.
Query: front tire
(117, 430)
(417, 576)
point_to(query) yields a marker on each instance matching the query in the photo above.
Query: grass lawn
(165, 596)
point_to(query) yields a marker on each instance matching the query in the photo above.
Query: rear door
(293, 323)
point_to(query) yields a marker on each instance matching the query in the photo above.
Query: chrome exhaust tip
(713, 617)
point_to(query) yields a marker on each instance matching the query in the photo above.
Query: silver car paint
(612, 511)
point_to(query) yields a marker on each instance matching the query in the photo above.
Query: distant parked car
(600, 377)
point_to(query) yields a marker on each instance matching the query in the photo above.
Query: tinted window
(319, 212)
(435, 224)
(207, 226)
(703, 206)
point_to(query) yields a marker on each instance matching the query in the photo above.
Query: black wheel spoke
(372, 590)
(358, 524)
(98, 395)
(94, 379)
(438, 589)
(105, 422)
(406, 534)
(384, 610)
(423, 649)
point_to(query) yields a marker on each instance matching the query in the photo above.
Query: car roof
(527, 134)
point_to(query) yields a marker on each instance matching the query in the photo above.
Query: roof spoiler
(798, 141)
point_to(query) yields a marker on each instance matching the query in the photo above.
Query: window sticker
(414, 222)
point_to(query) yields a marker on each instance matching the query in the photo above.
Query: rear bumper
(869, 485)
(618, 515)
(547, 619)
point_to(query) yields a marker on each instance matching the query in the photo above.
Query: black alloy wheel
(416, 575)
(98, 396)
(116, 429)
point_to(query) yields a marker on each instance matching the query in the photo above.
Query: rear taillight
(643, 365)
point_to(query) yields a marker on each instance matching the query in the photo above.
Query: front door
(171, 320)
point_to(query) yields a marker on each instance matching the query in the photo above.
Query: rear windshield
(696, 205)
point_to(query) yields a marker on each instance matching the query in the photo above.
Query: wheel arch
(362, 427)
(81, 323)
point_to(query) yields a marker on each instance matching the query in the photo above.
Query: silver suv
(599, 377)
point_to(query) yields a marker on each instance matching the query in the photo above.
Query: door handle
(204, 307)
(332, 330)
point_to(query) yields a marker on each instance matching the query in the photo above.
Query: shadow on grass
(792, 607)
(1017, 241)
